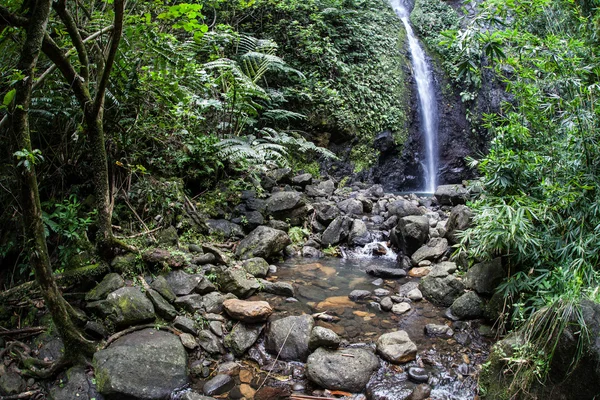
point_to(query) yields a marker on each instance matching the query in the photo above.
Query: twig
(138, 217)
(24, 395)
(138, 328)
(139, 234)
(33, 329)
(278, 353)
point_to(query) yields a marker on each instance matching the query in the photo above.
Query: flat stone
(415, 295)
(277, 288)
(401, 308)
(11, 383)
(181, 282)
(356, 295)
(434, 249)
(188, 341)
(419, 272)
(385, 272)
(248, 311)
(210, 342)
(438, 330)
(220, 384)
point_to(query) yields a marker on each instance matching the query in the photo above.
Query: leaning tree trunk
(75, 343)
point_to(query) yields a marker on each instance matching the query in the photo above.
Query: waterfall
(426, 94)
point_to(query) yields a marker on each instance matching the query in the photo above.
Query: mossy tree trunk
(75, 343)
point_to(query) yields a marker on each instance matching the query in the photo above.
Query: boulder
(451, 195)
(302, 179)
(323, 337)
(77, 385)
(181, 282)
(110, 283)
(434, 249)
(161, 306)
(442, 269)
(289, 337)
(283, 202)
(359, 235)
(410, 233)
(157, 257)
(401, 308)
(242, 337)
(130, 307)
(385, 272)
(221, 383)
(396, 347)
(259, 267)
(210, 342)
(326, 212)
(483, 277)
(351, 206)
(190, 303)
(185, 324)
(467, 306)
(247, 311)
(460, 219)
(438, 330)
(347, 369)
(311, 252)
(262, 242)
(237, 281)
(277, 288)
(403, 208)
(322, 189)
(147, 364)
(220, 257)
(441, 291)
(161, 285)
(224, 228)
(336, 232)
(11, 383)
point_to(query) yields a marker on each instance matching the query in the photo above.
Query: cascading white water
(426, 95)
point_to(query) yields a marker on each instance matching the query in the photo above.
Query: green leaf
(8, 97)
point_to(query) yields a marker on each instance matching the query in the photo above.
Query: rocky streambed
(205, 322)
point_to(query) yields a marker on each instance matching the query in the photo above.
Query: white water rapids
(426, 94)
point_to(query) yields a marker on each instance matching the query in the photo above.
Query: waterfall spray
(427, 101)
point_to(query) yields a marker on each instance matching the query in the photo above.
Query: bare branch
(11, 19)
(67, 19)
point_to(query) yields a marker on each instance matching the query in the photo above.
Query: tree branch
(11, 19)
(110, 59)
(67, 19)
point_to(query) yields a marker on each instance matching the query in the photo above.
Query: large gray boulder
(284, 201)
(467, 306)
(396, 347)
(432, 251)
(336, 232)
(78, 385)
(110, 283)
(262, 242)
(130, 307)
(242, 337)
(347, 369)
(410, 234)
(322, 189)
(161, 306)
(351, 206)
(359, 235)
(181, 282)
(326, 212)
(441, 291)
(236, 280)
(403, 208)
(460, 219)
(258, 267)
(451, 195)
(485, 276)
(289, 337)
(146, 364)
(224, 228)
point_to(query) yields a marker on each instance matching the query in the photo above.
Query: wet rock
(351, 206)
(410, 234)
(283, 201)
(460, 219)
(110, 283)
(237, 281)
(216, 327)
(11, 383)
(248, 311)
(259, 267)
(421, 392)
(442, 291)
(415, 295)
(185, 324)
(188, 341)
(401, 308)
(210, 342)
(377, 282)
(323, 337)
(290, 335)
(467, 306)
(407, 287)
(262, 242)
(146, 364)
(78, 385)
(381, 292)
(194, 396)
(418, 375)
(403, 208)
(385, 272)
(161, 285)
(396, 347)
(451, 195)
(357, 295)
(224, 228)
(242, 337)
(272, 393)
(130, 307)
(485, 276)
(386, 303)
(438, 330)
(220, 384)
(161, 306)
(277, 288)
(181, 282)
(359, 235)
(336, 232)
(434, 249)
(334, 370)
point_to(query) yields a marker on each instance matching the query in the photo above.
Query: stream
(452, 361)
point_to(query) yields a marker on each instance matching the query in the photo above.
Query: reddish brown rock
(247, 311)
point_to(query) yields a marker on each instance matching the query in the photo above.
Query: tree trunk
(75, 343)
